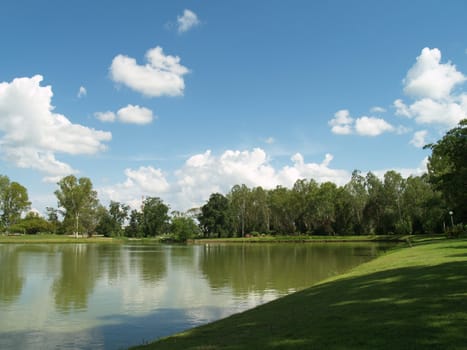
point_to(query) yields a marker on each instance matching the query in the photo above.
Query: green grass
(409, 298)
(301, 238)
(51, 238)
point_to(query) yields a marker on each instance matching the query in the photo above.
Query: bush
(456, 231)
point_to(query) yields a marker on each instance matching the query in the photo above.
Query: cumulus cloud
(82, 92)
(418, 139)
(429, 78)
(341, 124)
(433, 84)
(203, 174)
(371, 126)
(106, 117)
(161, 75)
(429, 111)
(135, 115)
(187, 21)
(130, 114)
(139, 183)
(33, 133)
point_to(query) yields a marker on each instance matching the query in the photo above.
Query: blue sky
(180, 99)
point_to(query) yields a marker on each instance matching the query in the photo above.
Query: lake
(112, 296)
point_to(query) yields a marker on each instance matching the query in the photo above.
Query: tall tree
(356, 187)
(14, 201)
(155, 216)
(447, 169)
(79, 201)
(216, 216)
(135, 224)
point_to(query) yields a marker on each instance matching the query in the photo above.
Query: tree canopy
(447, 169)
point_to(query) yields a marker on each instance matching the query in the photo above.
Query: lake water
(99, 296)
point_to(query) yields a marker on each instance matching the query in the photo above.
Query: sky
(181, 99)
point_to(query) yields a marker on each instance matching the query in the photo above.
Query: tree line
(367, 204)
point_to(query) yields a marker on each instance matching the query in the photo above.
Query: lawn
(409, 298)
(51, 238)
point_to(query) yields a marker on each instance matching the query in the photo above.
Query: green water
(98, 296)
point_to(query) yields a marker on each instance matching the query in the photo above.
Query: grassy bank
(50, 238)
(304, 239)
(409, 298)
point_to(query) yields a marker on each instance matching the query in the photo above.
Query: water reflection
(78, 276)
(259, 268)
(90, 296)
(11, 280)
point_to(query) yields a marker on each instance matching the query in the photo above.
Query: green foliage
(447, 169)
(32, 224)
(135, 225)
(13, 202)
(456, 231)
(111, 221)
(184, 228)
(80, 203)
(216, 216)
(155, 217)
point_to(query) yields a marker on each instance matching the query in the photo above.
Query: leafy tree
(111, 221)
(135, 224)
(447, 169)
(304, 204)
(422, 205)
(259, 211)
(79, 201)
(356, 187)
(283, 214)
(13, 201)
(240, 203)
(216, 216)
(326, 209)
(393, 220)
(155, 216)
(32, 224)
(184, 228)
(374, 208)
(52, 218)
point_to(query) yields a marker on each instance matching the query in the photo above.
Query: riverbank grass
(52, 238)
(409, 298)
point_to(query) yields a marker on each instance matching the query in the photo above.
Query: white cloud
(418, 139)
(135, 115)
(187, 21)
(33, 133)
(82, 92)
(203, 174)
(433, 84)
(371, 126)
(377, 109)
(341, 124)
(144, 181)
(429, 111)
(130, 114)
(106, 117)
(161, 75)
(428, 78)
(405, 172)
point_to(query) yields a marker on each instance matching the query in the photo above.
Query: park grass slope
(409, 298)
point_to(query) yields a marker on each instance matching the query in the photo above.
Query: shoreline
(408, 297)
